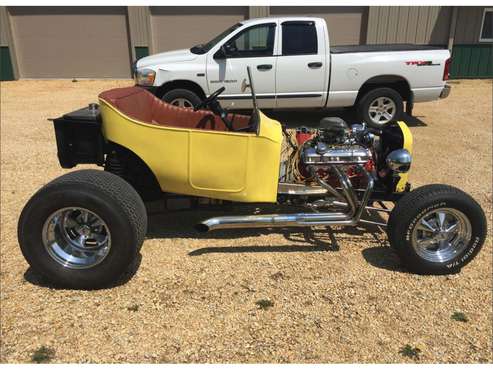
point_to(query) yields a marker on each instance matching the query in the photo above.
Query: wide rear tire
(436, 229)
(83, 230)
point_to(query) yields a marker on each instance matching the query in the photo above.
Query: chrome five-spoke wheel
(441, 235)
(76, 238)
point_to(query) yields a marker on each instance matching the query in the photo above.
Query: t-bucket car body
(84, 229)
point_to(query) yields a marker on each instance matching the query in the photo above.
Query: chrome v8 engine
(336, 143)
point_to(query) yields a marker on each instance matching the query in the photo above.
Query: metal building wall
(470, 57)
(178, 27)
(409, 24)
(6, 52)
(140, 30)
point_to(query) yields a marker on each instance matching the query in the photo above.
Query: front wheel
(437, 229)
(83, 229)
(182, 98)
(380, 106)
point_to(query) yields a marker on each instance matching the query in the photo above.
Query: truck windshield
(204, 48)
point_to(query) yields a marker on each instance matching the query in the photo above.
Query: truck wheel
(182, 98)
(436, 229)
(380, 106)
(83, 229)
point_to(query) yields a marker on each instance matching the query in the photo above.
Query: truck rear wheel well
(181, 84)
(397, 83)
(129, 166)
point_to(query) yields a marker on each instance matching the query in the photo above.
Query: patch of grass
(43, 355)
(459, 316)
(410, 351)
(264, 304)
(133, 308)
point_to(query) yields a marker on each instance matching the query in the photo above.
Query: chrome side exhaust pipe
(297, 219)
(282, 220)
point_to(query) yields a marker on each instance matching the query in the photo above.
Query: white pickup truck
(294, 66)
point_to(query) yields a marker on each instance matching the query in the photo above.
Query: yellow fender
(408, 145)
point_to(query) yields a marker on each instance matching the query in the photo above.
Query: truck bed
(382, 48)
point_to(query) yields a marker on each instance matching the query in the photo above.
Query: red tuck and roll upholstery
(139, 104)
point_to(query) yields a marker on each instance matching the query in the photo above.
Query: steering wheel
(207, 102)
(212, 103)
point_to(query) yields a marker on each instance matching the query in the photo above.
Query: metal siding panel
(392, 25)
(178, 27)
(68, 42)
(258, 11)
(383, 24)
(403, 16)
(138, 23)
(412, 25)
(344, 22)
(4, 32)
(469, 20)
(371, 37)
(421, 24)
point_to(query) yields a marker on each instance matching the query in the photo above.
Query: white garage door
(68, 42)
(183, 27)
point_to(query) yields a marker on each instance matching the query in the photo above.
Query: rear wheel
(83, 229)
(437, 229)
(380, 106)
(182, 98)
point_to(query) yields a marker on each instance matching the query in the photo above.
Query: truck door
(227, 66)
(302, 66)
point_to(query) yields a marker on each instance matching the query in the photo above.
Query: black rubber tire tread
(182, 93)
(116, 196)
(364, 104)
(407, 210)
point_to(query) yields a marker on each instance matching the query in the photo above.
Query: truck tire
(380, 106)
(436, 229)
(182, 98)
(83, 229)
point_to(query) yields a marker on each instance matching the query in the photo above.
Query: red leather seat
(139, 104)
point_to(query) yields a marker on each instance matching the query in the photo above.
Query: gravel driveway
(319, 295)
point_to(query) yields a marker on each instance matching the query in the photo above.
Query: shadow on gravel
(34, 278)
(384, 258)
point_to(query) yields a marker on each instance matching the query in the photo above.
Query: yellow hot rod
(83, 229)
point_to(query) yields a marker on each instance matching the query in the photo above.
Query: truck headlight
(145, 77)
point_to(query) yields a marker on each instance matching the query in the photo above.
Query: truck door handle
(315, 65)
(264, 67)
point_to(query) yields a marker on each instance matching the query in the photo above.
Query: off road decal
(421, 63)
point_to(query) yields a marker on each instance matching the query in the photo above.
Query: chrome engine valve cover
(353, 154)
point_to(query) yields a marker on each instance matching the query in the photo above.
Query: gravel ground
(295, 295)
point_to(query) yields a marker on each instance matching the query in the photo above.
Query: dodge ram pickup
(295, 66)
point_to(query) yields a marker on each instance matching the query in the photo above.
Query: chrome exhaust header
(349, 218)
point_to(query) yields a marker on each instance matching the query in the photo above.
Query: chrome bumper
(445, 92)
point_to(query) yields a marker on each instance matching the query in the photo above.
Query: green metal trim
(472, 61)
(6, 70)
(141, 52)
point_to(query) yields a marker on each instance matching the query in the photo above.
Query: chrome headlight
(399, 160)
(145, 77)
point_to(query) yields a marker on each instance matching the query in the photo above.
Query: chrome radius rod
(300, 219)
